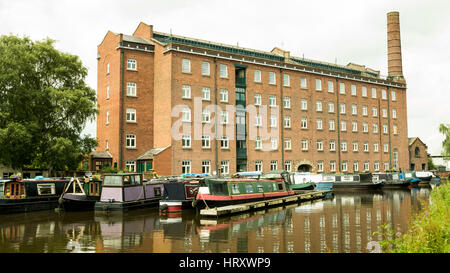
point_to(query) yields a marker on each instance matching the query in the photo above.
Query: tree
(44, 105)
(445, 130)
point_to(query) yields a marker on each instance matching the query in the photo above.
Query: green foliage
(44, 105)
(445, 130)
(429, 230)
(431, 165)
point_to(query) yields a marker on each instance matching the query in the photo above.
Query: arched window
(395, 159)
(417, 152)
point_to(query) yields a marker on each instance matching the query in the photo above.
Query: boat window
(113, 180)
(127, 180)
(274, 187)
(280, 186)
(94, 188)
(355, 178)
(260, 188)
(1, 189)
(157, 191)
(137, 180)
(249, 188)
(235, 188)
(46, 189)
(218, 187)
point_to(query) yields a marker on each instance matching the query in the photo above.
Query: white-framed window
(272, 101)
(257, 76)
(344, 166)
(331, 125)
(303, 84)
(130, 141)
(106, 145)
(385, 147)
(224, 167)
(384, 112)
(330, 107)
(185, 166)
(131, 64)
(206, 166)
(318, 106)
(287, 102)
(257, 99)
(364, 91)
(130, 165)
(395, 129)
(342, 108)
(342, 88)
(258, 165)
(186, 141)
(107, 68)
(376, 165)
(258, 143)
(383, 94)
(365, 113)
(344, 146)
(273, 143)
(395, 159)
(385, 129)
(224, 117)
(343, 126)
(206, 141)
(353, 90)
(320, 166)
(366, 166)
(273, 120)
(223, 70)
(186, 66)
(365, 127)
(375, 128)
(386, 166)
(330, 87)
(224, 142)
(366, 146)
(205, 68)
(107, 92)
(223, 95)
(319, 145)
(304, 124)
(287, 121)
(185, 91)
(258, 120)
(355, 166)
(318, 84)
(287, 144)
(332, 144)
(354, 110)
(304, 104)
(131, 89)
(286, 80)
(374, 111)
(319, 124)
(206, 116)
(355, 146)
(206, 93)
(394, 113)
(332, 166)
(131, 115)
(304, 145)
(354, 126)
(374, 93)
(272, 79)
(393, 97)
(107, 117)
(288, 165)
(186, 115)
(375, 147)
(273, 165)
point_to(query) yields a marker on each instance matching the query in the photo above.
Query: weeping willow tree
(445, 130)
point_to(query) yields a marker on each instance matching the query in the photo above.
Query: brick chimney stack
(395, 70)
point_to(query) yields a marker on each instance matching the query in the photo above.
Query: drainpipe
(338, 126)
(282, 117)
(121, 110)
(380, 131)
(216, 156)
(389, 128)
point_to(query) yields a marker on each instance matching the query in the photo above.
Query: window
(223, 95)
(318, 106)
(386, 166)
(206, 166)
(395, 155)
(319, 124)
(107, 117)
(355, 166)
(46, 189)
(374, 112)
(258, 120)
(376, 165)
(374, 93)
(186, 115)
(375, 147)
(131, 64)
(353, 90)
(206, 141)
(332, 145)
(287, 102)
(365, 113)
(185, 166)
(186, 141)
(257, 76)
(385, 129)
(303, 82)
(206, 116)
(366, 166)
(383, 94)
(272, 101)
(130, 165)
(272, 79)
(206, 93)
(342, 88)
(286, 80)
(384, 112)
(330, 87)
(331, 125)
(273, 143)
(394, 113)
(130, 141)
(318, 85)
(224, 117)
(331, 107)
(332, 166)
(131, 89)
(273, 121)
(304, 124)
(344, 146)
(258, 143)
(354, 126)
(186, 66)
(354, 110)
(106, 145)
(185, 91)
(258, 165)
(355, 146)
(304, 104)
(224, 143)
(304, 145)
(131, 115)
(205, 69)
(385, 147)
(223, 70)
(107, 68)
(366, 146)
(364, 91)
(107, 92)
(365, 127)
(343, 126)
(393, 96)
(257, 99)
(287, 144)
(344, 166)
(319, 166)
(319, 145)
(273, 165)
(395, 129)
(287, 122)
(342, 107)
(224, 167)
(249, 188)
(375, 128)
(288, 165)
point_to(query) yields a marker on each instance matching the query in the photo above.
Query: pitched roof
(135, 39)
(100, 154)
(150, 153)
(411, 141)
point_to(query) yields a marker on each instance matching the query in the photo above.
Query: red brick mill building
(323, 117)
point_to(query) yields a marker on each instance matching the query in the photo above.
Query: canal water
(342, 223)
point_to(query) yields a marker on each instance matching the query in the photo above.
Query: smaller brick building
(418, 156)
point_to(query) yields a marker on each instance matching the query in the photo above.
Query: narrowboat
(81, 194)
(214, 192)
(391, 180)
(23, 195)
(425, 178)
(179, 194)
(305, 181)
(355, 181)
(326, 183)
(254, 174)
(410, 176)
(128, 191)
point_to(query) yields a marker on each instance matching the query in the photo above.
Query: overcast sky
(324, 30)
